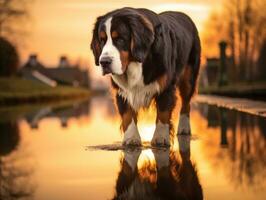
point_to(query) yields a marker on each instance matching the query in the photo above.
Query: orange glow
(60, 27)
(54, 156)
(59, 153)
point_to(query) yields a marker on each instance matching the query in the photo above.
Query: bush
(9, 59)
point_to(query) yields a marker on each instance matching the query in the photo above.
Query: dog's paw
(134, 141)
(184, 125)
(160, 141)
(161, 135)
(131, 136)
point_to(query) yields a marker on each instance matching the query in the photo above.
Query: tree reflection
(169, 175)
(223, 116)
(9, 137)
(244, 160)
(248, 152)
(15, 178)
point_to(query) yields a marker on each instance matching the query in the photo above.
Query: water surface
(45, 153)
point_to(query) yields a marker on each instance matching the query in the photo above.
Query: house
(63, 74)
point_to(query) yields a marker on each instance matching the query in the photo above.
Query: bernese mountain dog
(149, 56)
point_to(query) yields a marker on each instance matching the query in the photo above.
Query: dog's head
(121, 37)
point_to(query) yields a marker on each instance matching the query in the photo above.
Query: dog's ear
(95, 43)
(142, 36)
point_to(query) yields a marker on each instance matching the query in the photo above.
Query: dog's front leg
(129, 123)
(165, 103)
(161, 136)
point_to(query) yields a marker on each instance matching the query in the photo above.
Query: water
(73, 152)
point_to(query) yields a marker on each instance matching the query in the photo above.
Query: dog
(149, 56)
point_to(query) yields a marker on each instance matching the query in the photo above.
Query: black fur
(166, 100)
(122, 104)
(165, 43)
(95, 43)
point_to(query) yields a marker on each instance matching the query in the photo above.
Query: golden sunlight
(146, 131)
(146, 156)
(64, 28)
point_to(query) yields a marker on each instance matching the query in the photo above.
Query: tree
(243, 26)
(9, 59)
(13, 13)
(13, 17)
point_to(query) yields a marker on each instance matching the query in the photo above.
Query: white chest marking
(132, 87)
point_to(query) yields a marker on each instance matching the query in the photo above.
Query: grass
(16, 90)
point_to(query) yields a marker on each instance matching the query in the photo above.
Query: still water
(45, 154)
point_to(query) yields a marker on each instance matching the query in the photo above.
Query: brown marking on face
(163, 116)
(162, 81)
(127, 118)
(114, 34)
(124, 57)
(185, 89)
(103, 35)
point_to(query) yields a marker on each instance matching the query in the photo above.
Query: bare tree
(244, 27)
(13, 17)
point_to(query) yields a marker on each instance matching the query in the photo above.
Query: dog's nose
(106, 65)
(105, 61)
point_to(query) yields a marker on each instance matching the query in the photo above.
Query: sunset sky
(63, 27)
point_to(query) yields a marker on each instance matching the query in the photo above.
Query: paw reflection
(158, 174)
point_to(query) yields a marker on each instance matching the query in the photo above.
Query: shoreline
(240, 104)
(16, 91)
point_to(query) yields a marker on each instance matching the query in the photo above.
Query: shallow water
(74, 152)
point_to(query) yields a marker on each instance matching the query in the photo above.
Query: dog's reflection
(168, 174)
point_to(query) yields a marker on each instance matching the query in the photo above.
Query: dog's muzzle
(106, 63)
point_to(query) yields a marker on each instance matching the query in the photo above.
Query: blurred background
(58, 33)
(55, 106)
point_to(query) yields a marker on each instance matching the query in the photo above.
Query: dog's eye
(120, 40)
(102, 41)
